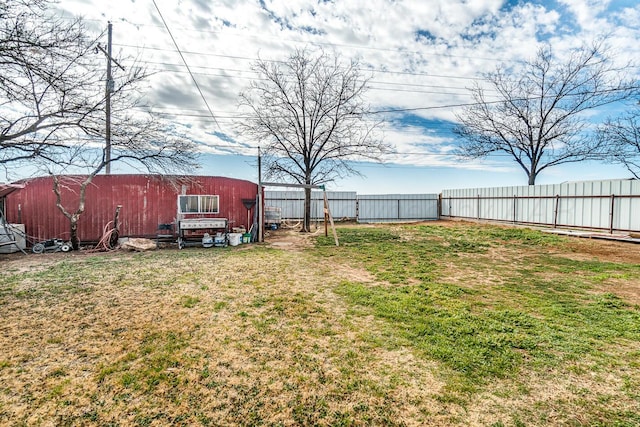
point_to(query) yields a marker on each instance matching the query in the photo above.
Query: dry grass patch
(196, 337)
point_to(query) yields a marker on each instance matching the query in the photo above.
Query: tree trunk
(75, 241)
(306, 223)
(75, 216)
(532, 178)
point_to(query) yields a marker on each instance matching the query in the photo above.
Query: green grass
(541, 316)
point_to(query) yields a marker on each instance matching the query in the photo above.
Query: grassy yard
(431, 324)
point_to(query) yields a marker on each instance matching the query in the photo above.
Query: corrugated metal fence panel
(627, 210)
(377, 208)
(462, 203)
(291, 203)
(397, 207)
(587, 204)
(349, 205)
(341, 203)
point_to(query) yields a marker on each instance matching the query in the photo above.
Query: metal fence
(397, 207)
(291, 204)
(604, 205)
(612, 205)
(348, 205)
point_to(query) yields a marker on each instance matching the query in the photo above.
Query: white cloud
(587, 12)
(462, 39)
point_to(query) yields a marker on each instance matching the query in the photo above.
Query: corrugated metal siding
(397, 207)
(341, 203)
(147, 200)
(350, 205)
(586, 204)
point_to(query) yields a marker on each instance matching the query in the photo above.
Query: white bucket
(234, 238)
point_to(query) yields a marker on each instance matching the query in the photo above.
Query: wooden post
(116, 218)
(333, 227)
(326, 218)
(613, 197)
(555, 213)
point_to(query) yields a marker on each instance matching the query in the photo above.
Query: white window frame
(201, 199)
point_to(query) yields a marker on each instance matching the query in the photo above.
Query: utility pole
(260, 201)
(108, 90)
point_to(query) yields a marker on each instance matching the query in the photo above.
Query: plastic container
(207, 241)
(234, 239)
(220, 240)
(246, 238)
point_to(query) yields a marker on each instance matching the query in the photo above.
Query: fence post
(555, 213)
(515, 200)
(613, 197)
(478, 206)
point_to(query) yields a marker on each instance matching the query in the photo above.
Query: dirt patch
(291, 238)
(626, 290)
(19, 262)
(602, 250)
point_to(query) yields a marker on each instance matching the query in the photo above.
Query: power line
(186, 65)
(433, 107)
(245, 58)
(499, 101)
(248, 71)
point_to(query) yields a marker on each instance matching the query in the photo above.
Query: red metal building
(147, 201)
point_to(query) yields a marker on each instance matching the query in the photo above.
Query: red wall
(147, 200)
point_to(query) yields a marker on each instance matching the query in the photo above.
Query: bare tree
(537, 114)
(52, 108)
(622, 136)
(310, 117)
(46, 79)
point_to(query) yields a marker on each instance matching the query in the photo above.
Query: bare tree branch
(622, 136)
(52, 107)
(309, 116)
(538, 118)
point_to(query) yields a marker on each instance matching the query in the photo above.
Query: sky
(422, 56)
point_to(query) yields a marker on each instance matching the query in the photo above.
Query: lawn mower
(51, 245)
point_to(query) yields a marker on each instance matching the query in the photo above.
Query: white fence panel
(348, 205)
(397, 207)
(341, 203)
(607, 205)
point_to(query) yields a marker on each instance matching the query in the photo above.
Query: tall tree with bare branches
(138, 139)
(622, 136)
(46, 78)
(535, 113)
(52, 107)
(309, 114)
